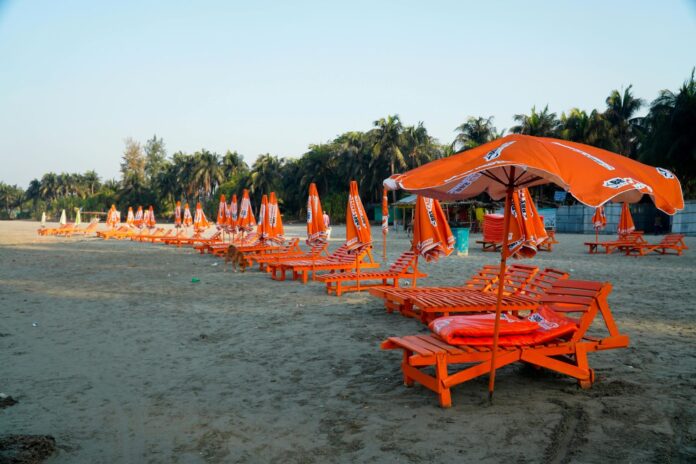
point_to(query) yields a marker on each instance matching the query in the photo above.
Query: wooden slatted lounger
(487, 245)
(400, 299)
(56, 230)
(195, 238)
(547, 245)
(91, 227)
(674, 242)
(622, 243)
(339, 260)
(144, 235)
(268, 261)
(403, 268)
(566, 355)
(121, 233)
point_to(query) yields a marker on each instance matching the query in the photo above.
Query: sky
(78, 77)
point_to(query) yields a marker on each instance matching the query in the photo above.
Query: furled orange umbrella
(263, 225)
(385, 223)
(275, 221)
(177, 214)
(246, 221)
(358, 233)
(626, 225)
(232, 214)
(527, 229)
(222, 212)
(316, 228)
(432, 237)
(188, 219)
(592, 175)
(146, 218)
(111, 218)
(151, 222)
(199, 220)
(599, 221)
(138, 221)
(130, 217)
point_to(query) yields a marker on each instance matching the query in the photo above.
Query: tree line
(665, 136)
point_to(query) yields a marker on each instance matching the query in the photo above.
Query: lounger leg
(581, 359)
(408, 381)
(338, 288)
(441, 374)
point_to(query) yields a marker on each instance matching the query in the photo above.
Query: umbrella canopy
(599, 220)
(222, 212)
(232, 217)
(188, 219)
(625, 221)
(432, 237)
(358, 234)
(275, 221)
(130, 217)
(246, 222)
(139, 217)
(316, 228)
(527, 229)
(177, 214)
(199, 220)
(592, 175)
(78, 217)
(151, 222)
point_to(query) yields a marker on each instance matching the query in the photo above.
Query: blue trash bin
(461, 236)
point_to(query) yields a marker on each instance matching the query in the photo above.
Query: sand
(110, 348)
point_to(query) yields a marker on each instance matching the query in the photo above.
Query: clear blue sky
(77, 77)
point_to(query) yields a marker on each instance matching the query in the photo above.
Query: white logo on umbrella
(493, 154)
(665, 173)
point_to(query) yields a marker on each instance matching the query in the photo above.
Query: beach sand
(111, 349)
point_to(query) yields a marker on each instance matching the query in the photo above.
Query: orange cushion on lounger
(549, 326)
(479, 325)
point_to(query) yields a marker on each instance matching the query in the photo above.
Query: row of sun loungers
(635, 244)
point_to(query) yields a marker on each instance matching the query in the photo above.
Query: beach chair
(120, 233)
(673, 242)
(268, 260)
(486, 280)
(144, 235)
(573, 301)
(490, 245)
(622, 243)
(171, 233)
(56, 230)
(69, 232)
(403, 268)
(197, 237)
(547, 245)
(340, 260)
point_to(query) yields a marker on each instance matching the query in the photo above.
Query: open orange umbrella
(626, 225)
(199, 220)
(222, 212)
(130, 218)
(316, 228)
(592, 175)
(385, 223)
(151, 222)
(138, 221)
(275, 221)
(188, 219)
(177, 214)
(358, 233)
(599, 221)
(246, 222)
(432, 237)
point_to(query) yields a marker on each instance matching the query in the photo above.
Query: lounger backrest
(580, 300)
(403, 262)
(672, 239)
(483, 279)
(542, 281)
(516, 277)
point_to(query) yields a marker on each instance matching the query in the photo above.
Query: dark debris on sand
(7, 401)
(26, 449)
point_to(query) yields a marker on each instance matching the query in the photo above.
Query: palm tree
(49, 186)
(233, 163)
(592, 129)
(474, 132)
(388, 141)
(207, 172)
(620, 113)
(670, 139)
(265, 175)
(420, 148)
(539, 124)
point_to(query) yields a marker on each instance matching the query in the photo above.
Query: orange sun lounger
(622, 243)
(267, 260)
(121, 233)
(547, 245)
(400, 299)
(674, 242)
(144, 235)
(69, 232)
(192, 240)
(56, 230)
(339, 260)
(403, 268)
(580, 301)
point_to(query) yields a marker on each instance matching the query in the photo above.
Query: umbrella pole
(384, 249)
(501, 282)
(415, 273)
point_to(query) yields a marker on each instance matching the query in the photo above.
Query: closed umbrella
(316, 228)
(138, 221)
(599, 221)
(199, 220)
(275, 221)
(130, 217)
(63, 218)
(151, 221)
(188, 218)
(358, 233)
(222, 212)
(385, 223)
(625, 221)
